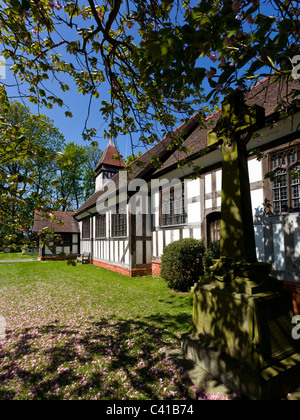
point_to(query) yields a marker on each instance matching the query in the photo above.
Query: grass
(86, 333)
(16, 256)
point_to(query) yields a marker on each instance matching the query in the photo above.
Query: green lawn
(17, 256)
(84, 332)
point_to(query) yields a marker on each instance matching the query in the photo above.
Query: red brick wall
(295, 290)
(123, 270)
(156, 268)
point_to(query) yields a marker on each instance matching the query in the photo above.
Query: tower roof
(111, 156)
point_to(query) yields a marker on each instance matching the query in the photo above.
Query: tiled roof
(143, 167)
(111, 156)
(69, 223)
(265, 94)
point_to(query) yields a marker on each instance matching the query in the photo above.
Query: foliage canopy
(159, 60)
(155, 57)
(38, 170)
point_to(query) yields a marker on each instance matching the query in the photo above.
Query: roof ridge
(55, 211)
(164, 138)
(111, 147)
(195, 141)
(259, 83)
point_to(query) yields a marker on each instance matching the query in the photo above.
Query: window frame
(170, 218)
(100, 226)
(282, 163)
(119, 228)
(85, 228)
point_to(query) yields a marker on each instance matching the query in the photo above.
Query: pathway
(17, 261)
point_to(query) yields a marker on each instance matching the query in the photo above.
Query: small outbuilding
(66, 244)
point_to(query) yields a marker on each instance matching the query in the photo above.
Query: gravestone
(242, 317)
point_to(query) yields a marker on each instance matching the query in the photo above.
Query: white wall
(111, 250)
(212, 185)
(98, 182)
(193, 201)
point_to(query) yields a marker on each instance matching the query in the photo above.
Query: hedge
(182, 264)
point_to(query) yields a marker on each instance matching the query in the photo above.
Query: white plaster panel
(255, 170)
(208, 184)
(154, 236)
(194, 214)
(186, 233)
(208, 204)
(197, 233)
(260, 243)
(257, 198)
(139, 252)
(279, 249)
(160, 243)
(219, 180)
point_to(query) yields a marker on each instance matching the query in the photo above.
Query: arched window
(286, 181)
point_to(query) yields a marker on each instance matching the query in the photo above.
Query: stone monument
(242, 317)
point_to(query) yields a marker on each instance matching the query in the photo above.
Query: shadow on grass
(110, 358)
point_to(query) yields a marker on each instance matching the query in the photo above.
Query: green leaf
(204, 21)
(26, 4)
(163, 50)
(15, 4)
(285, 25)
(59, 102)
(154, 49)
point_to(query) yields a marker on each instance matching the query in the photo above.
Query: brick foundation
(156, 268)
(147, 271)
(294, 288)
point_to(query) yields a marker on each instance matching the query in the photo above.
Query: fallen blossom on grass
(73, 335)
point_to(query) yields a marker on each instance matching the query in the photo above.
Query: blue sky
(72, 128)
(78, 104)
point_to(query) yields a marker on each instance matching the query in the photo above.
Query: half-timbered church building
(132, 242)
